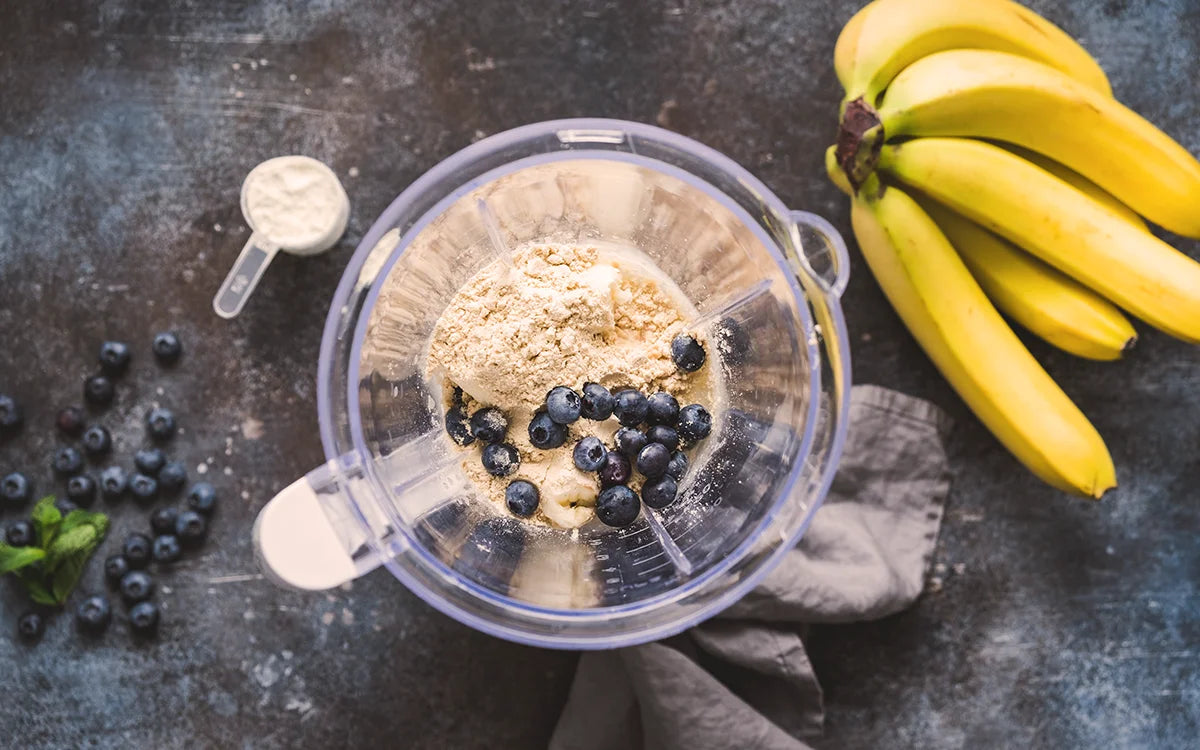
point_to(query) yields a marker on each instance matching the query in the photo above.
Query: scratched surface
(125, 130)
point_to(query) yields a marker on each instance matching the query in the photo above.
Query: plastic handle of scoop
(244, 276)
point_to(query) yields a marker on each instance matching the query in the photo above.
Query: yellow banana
(985, 94)
(1046, 302)
(1035, 210)
(951, 318)
(1079, 182)
(889, 35)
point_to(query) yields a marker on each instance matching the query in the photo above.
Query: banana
(1046, 302)
(889, 35)
(1080, 183)
(951, 318)
(1035, 210)
(985, 94)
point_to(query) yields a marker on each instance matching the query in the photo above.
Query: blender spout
(820, 252)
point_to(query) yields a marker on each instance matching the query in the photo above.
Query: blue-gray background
(125, 130)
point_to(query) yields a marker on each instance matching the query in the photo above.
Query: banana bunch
(991, 173)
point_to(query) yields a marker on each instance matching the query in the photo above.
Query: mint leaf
(46, 520)
(80, 540)
(78, 518)
(67, 575)
(51, 570)
(38, 591)
(15, 558)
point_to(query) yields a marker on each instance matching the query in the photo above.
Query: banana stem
(859, 141)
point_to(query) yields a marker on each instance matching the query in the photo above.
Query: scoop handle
(243, 277)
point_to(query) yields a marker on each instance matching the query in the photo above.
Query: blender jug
(763, 279)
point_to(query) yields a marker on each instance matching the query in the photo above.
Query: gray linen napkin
(743, 680)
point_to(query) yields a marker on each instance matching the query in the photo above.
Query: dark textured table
(125, 130)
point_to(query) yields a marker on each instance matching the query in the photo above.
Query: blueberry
(30, 626)
(545, 433)
(70, 421)
(695, 423)
(616, 470)
(115, 568)
(659, 493)
(19, 534)
(457, 426)
(150, 461)
(11, 414)
(65, 506)
(94, 614)
(114, 357)
(500, 459)
(202, 498)
(136, 550)
(98, 390)
(664, 409)
(166, 548)
(96, 441)
(589, 454)
(652, 461)
(67, 462)
(663, 435)
(630, 441)
(167, 348)
(113, 483)
(596, 403)
(172, 477)
(489, 424)
(81, 490)
(563, 405)
(522, 498)
(678, 466)
(143, 487)
(190, 527)
(136, 586)
(687, 353)
(143, 617)
(617, 506)
(631, 407)
(162, 520)
(15, 489)
(161, 423)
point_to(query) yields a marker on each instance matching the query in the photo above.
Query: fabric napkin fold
(743, 679)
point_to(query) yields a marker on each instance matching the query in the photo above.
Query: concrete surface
(125, 130)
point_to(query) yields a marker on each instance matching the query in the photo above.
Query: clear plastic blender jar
(393, 492)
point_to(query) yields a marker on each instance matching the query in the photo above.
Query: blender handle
(821, 252)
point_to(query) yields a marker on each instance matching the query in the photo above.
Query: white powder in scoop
(296, 202)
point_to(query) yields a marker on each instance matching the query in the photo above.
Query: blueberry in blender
(458, 427)
(663, 435)
(545, 433)
(596, 403)
(687, 353)
(663, 408)
(659, 493)
(589, 454)
(631, 407)
(563, 405)
(695, 423)
(500, 459)
(652, 461)
(630, 441)
(489, 424)
(616, 470)
(522, 498)
(617, 506)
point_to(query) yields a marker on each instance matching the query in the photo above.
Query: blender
(393, 492)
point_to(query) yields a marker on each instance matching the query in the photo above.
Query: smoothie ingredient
(458, 426)
(489, 425)
(695, 423)
(96, 441)
(617, 506)
(631, 407)
(589, 454)
(136, 550)
(143, 617)
(630, 441)
(687, 353)
(202, 498)
(71, 421)
(616, 470)
(15, 489)
(65, 505)
(81, 490)
(190, 527)
(30, 626)
(114, 358)
(143, 488)
(522, 498)
(162, 520)
(660, 493)
(596, 403)
(66, 462)
(166, 549)
(663, 435)
(51, 564)
(172, 477)
(150, 461)
(11, 414)
(652, 461)
(662, 408)
(545, 433)
(563, 405)
(115, 568)
(113, 483)
(160, 423)
(136, 586)
(98, 390)
(94, 614)
(167, 348)
(19, 534)
(500, 459)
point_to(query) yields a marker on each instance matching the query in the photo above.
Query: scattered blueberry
(115, 568)
(65, 506)
(545, 433)
(114, 357)
(166, 549)
(630, 441)
(616, 469)
(563, 405)
(136, 586)
(687, 353)
(695, 423)
(11, 414)
(150, 461)
(143, 487)
(167, 348)
(96, 441)
(660, 493)
(15, 489)
(161, 423)
(172, 477)
(70, 421)
(162, 520)
(98, 390)
(30, 626)
(113, 483)
(617, 506)
(202, 498)
(19, 534)
(500, 459)
(522, 498)
(678, 466)
(81, 490)
(589, 454)
(596, 403)
(458, 427)
(190, 527)
(663, 408)
(663, 435)
(136, 550)
(67, 462)
(94, 614)
(652, 461)
(143, 617)
(489, 424)
(631, 407)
